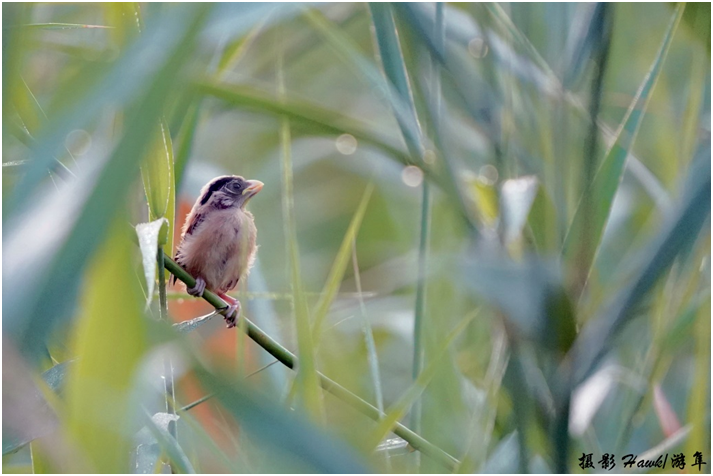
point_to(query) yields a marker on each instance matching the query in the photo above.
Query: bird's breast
(222, 249)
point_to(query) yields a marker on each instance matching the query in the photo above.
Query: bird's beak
(254, 186)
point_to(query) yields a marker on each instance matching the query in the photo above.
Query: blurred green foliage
(491, 216)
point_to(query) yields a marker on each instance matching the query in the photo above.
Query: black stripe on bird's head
(215, 185)
(230, 191)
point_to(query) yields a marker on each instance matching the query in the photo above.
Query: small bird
(218, 239)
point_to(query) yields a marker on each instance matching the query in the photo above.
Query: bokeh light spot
(429, 157)
(477, 48)
(346, 144)
(412, 176)
(78, 142)
(488, 174)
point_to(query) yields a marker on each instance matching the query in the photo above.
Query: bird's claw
(197, 290)
(231, 314)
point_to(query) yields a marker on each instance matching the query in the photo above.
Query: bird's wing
(194, 223)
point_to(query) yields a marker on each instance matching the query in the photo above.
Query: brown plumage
(218, 241)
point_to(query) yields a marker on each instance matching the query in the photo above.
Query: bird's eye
(234, 187)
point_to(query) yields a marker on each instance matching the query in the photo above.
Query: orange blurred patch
(220, 349)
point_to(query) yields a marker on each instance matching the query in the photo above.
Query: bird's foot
(233, 310)
(197, 290)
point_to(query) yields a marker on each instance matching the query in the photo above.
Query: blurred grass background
(489, 221)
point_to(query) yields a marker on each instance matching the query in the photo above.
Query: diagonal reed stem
(288, 359)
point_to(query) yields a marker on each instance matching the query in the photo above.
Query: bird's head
(229, 191)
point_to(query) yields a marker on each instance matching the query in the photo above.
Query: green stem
(418, 326)
(197, 402)
(169, 390)
(372, 356)
(587, 247)
(289, 360)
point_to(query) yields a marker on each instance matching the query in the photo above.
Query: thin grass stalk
(207, 397)
(603, 19)
(372, 356)
(307, 381)
(424, 238)
(186, 137)
(610, 171)
(168, 381)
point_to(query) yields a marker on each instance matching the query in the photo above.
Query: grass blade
(392, 62)
(680, 231)
(80, 220)
(582, 42)
(148, 234)
(305, 116)
(158, 177)
(109, 340)
(339, 265)
(14, 45)
(590, 226)
(55, 379)
(601, 24)
(307, 382)
(399, 409)
(287, 432)
(698, 400)
(185, 139)
(289, 360)
(372, 356)
(124, 83)
(345, 48)
(31, 115)
(60, 26)
(179, 461)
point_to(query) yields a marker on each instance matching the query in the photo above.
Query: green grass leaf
(353, 59)
(109, 340)
(392, 61)
(15, 44)
(590, 228)
(339, 266)
(80, 220)
(186, 138)
(148, 243)
(681, 229)
(159, 183)
(126, 82)
(398, 410)
(288, 433)
(35, 403)
(60, 26)
(307, 381)
(305, 116)
(584, 32)
(529, 292)
(289, 360)
(158, 427)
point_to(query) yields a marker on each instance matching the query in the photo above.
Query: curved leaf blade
(149, 243)
(287, 432)
(339, 266)
(680, 231)
(608, 177)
